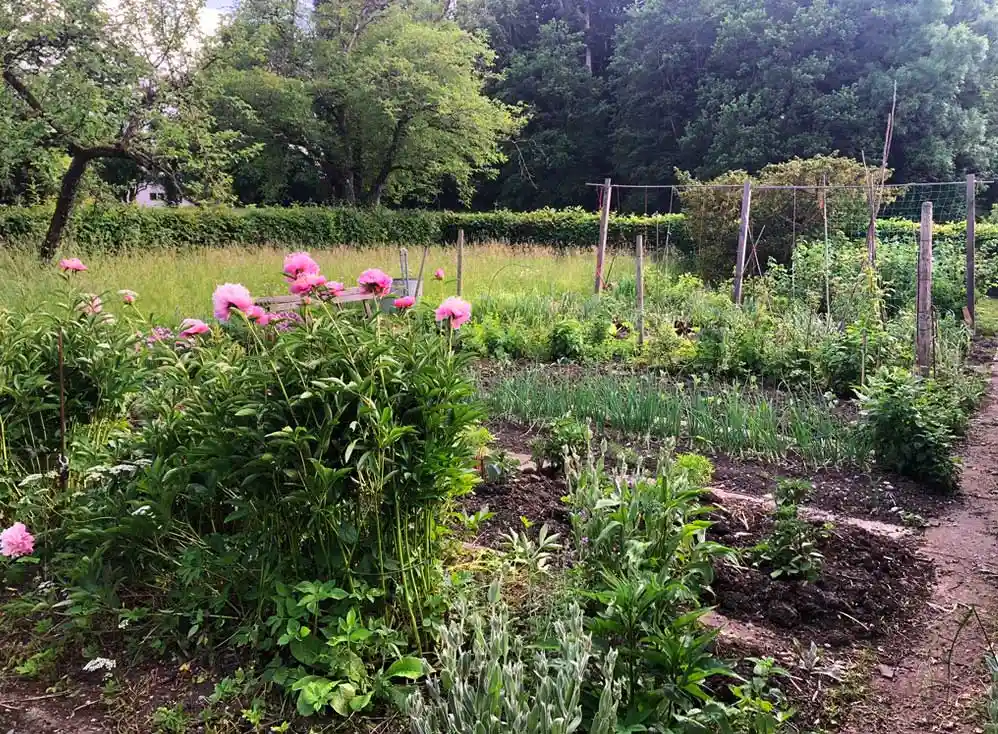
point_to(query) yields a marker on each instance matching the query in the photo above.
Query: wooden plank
(971, 247)
(355, 294)
(923, 303)
(604, 228)
(743, 228)
(460, 260)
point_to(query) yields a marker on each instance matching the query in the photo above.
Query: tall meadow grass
(175, 285)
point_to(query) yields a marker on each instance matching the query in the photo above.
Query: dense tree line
(513, 103)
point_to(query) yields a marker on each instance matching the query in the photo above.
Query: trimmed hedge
(123, 227)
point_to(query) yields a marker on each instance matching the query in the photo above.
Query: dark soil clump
(530, 494)
(856, 493)
(870, 585)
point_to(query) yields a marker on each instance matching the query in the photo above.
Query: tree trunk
(64, 205)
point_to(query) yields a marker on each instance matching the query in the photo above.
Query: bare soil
(530, 495)
(870, 585)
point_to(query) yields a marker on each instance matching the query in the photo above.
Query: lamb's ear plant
(490, 683)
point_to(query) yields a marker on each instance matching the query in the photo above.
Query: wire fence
(781, 215)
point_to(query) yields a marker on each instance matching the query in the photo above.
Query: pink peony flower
(16, 541)
(306, 283)
(375, 281)
(257, 314)
(190, 328)
(298, 264)
(91, 304)
(228, 296)
(404, 303)
(128, 296)
(438, 273)
(71, 264)
(455, 310)
(334, 287)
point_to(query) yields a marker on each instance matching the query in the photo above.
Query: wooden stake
(404, 264)
(604, 226)
(63, 455)
(742, 241)
(640, 287)
(971, 246)
(923, 302)
(460, 260)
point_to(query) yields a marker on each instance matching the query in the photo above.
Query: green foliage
(738, 420)
(122, 87)
(564, 437)
(385, 103)
(340, 658)
(645, 563)
(679, 67)
(283, 491)
(109, 228)
(715, 210)
(913, 423)
(790, 551)
(523, 551)
(489, 683)
(568, 340)
(103, 370)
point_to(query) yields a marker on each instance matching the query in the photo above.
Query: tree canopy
(513, 103)
(94, 83)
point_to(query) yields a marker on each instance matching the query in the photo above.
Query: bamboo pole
(923, 333)
(971, 247)
(640, 286)
(742, 242)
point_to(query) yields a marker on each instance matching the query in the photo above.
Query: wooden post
(923, 302)
(742, 241)
(404, 264)
(639, 287)
(460, 260)
(604, 226)
(971, 246)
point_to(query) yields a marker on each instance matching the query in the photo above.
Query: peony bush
(228, 482)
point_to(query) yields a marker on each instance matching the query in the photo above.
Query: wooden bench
(355, 294)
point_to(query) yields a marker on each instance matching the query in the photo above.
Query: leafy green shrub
(912, 424)
(489, 684)
(790, 551)
(845, 358)
(563, 436)
(645, 562)
(280, 490)
(103, 369)
(568, 340)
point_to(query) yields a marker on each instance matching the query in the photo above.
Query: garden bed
(854, 492)
(870, 585)
(528, 494)
(841, 490)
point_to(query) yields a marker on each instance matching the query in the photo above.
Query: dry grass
(176, 285)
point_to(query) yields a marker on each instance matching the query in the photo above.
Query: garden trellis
(759, 221)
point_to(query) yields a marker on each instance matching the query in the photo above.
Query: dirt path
(938, 685)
